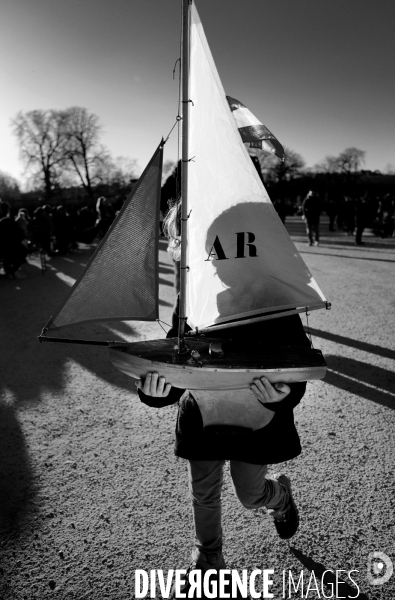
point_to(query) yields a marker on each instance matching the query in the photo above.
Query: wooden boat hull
(233, 370)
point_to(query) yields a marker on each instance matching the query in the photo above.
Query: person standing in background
(362, 213)
(349, 214)
(281, 208)
(331, 211)
(311, 212)
(12, 251)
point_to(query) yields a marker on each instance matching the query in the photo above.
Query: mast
(184, 168)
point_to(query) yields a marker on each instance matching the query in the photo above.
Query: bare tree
(329, 165)
(351, 160)
(85, 156)
(41, 137)
(274, 169)
(120, 174)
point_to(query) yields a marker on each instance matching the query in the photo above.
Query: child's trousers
(252, 487)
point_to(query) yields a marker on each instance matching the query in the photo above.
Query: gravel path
(90, 489)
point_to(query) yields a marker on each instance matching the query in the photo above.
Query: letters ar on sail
(236, 241)
(120, 282)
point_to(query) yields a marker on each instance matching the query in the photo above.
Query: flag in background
(252, 131)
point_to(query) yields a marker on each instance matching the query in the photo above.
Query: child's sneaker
(286, 521)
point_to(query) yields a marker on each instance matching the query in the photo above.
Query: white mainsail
(241, 259)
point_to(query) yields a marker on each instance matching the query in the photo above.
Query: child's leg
(254, 489)
(205, 484)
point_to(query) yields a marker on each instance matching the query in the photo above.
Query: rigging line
(188, 215)
(175, 66)
(308, 329)
(160, 324)
(178, 118)
(164, 322)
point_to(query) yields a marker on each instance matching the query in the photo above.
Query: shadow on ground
(344, 590)
(340, 339)
(340, 242)
(362, 379)
(367, 243)
(345, 256)
(29, 369)
(15, 472)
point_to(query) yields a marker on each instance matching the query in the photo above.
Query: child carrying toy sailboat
(249, 449)
(236, 358)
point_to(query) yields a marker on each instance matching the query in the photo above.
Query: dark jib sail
(120, 282)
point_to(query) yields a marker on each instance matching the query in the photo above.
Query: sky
(317, 73)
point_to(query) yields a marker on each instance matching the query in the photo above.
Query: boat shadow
(350, 243)
(344, 589)
(352, 343)
(31, 372)
(362, 379)
(17, 489)
(345, 243)
(344, 256)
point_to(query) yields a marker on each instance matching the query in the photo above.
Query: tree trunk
(47, 184)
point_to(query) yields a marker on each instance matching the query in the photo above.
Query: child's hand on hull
(153, 385)
(265, 392)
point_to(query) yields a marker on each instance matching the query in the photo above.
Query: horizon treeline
(61, 150)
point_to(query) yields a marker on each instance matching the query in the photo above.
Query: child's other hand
(266, 392)
(153, 385)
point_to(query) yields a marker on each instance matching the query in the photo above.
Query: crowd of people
(53, 230)
(354, 214)
(349, 214)
(49, 230)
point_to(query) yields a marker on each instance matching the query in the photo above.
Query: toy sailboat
(238, 264)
